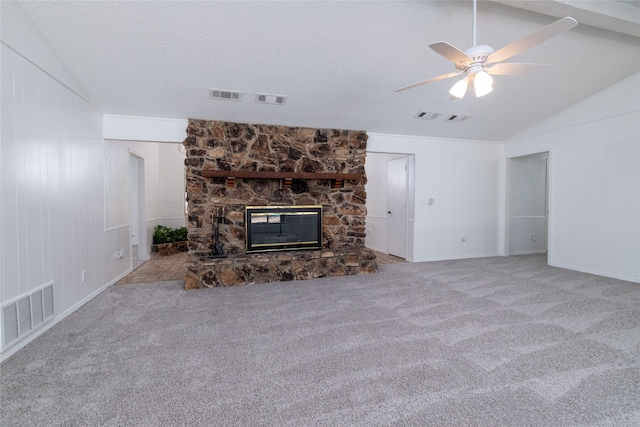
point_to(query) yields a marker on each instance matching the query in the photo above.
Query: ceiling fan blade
(452, 53)
(431, 80)
(533, 39)
(521, 69)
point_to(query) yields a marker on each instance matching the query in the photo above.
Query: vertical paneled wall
(51, 176)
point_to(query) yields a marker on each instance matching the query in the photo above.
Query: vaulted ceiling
(337, 62)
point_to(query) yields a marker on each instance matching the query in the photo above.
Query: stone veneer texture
(229, 146)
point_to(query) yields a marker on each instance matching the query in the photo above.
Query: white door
(397, 207)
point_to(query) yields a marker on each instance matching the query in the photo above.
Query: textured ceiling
(337, 62)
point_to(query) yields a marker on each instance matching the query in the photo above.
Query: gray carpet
(482, 342)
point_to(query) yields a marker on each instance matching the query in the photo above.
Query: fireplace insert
(283, 228)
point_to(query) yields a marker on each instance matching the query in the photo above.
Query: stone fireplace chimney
(230, 166)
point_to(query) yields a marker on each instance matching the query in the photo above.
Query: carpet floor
(504, 341)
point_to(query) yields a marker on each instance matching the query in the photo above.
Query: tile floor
(158, 269)
(165, 268)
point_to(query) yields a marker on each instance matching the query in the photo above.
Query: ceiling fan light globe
(460, 88)
(483, 91)
(482, 83)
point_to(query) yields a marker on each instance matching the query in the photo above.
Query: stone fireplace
(234, 170)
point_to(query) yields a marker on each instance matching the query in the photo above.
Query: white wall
(52, 178)
(463, 179)
(171, 179)
(130, 128)
(594, 219)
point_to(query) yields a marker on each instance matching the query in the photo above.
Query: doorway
(397, 174)
(528, 204)
(139, 241)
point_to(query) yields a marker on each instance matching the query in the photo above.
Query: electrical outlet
(534, 237)
(83, 275)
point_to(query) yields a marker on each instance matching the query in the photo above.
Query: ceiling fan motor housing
(478, 55)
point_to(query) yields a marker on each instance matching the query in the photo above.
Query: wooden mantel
(210, 173)
(336, 178)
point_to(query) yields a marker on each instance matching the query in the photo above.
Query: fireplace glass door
(282, 228)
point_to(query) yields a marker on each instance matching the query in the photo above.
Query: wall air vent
(229, 95)
(26, 314)
(427, 115)
(456, 118)
(265, 98)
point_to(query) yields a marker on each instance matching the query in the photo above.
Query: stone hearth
(233, 147)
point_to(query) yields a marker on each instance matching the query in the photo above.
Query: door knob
(388, 212)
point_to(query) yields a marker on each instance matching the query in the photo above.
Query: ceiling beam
(618, 16)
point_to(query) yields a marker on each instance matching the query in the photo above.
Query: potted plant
(169, 241)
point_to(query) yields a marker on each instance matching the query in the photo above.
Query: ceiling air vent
(427, 115)
(456, 118)
(229, 95)
(265, 98)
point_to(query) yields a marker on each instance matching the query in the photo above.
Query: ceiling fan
(480, 61)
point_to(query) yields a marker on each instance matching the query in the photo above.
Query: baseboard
(596, 272)
(451, 258)
(384, 251)
(527, 252)
(32, 336)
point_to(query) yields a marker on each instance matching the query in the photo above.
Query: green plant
(163, 234)
(180, 234)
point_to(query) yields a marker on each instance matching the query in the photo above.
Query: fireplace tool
(217, 251)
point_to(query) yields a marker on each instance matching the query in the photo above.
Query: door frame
(548, 200)
(137, 178)
(410, 198)
(405, 211)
